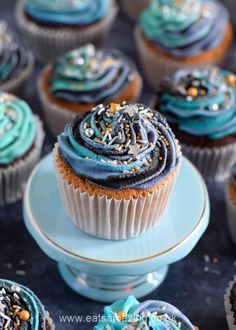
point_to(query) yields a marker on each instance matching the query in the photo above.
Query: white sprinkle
(105, 136)
(207, 258)
(21, 272)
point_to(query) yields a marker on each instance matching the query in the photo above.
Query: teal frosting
(12, 295)
(186, 27)
(72, 12)
(110, 314)
(200, 102)
(17, 128)
(149, 315)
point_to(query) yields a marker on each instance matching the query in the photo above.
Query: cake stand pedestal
(111, 270)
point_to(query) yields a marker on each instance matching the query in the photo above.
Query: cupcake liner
(231, 7)
(228, 307)
(17, 85)
(14, 177)
(231, 213)
(133, 9)
(156, 68)
(56, 116)
(49, 322)
(114, 219)
(48, 43)
(213, 163)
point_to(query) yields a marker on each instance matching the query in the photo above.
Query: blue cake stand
(110, 270)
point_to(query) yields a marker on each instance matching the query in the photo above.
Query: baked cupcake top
(185, 27)
(120, 146)
(200, 102)
(64, 12)
(17, 128)
(152, 314)
(91, 76)
(20, 308)
(13, 55)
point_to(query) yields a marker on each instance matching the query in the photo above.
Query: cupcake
(184, 34)
(152, 314)
(84, 78)
(55, 27)
(230, 198)
(200, 107)
(230, 304)
(16, 61)
(21, 140)
(116, 166)
(133, 8)
(20, 308)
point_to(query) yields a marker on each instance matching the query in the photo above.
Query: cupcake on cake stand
(107, 270)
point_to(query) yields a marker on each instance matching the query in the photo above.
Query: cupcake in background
(21, 308)
(16, 61)
(151, 314)
(133, 8)
(230, 304)
(230, 198)
(116, 166)
(21, 140)
(184, 34)
(84, 78)
(200, 107)
(55, 27)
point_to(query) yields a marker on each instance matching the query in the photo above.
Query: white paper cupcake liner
(56, 116)
(14, 177)
(231, 212)
(156, 68)
(110, 218)
(49, 322)
(133, 8)
(228, 307)
(213, 163)
(17, 85)
(231, 7)
(48, 43)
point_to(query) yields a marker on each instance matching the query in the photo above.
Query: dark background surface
(192, 289)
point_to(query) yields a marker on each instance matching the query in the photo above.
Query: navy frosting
(191, 35)
(120, 146)
(87, 75)
(163, 316)
(13, 54)
(67, 12)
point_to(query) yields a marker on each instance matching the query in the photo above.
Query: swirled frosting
(131, 315)
(20, 308)
(120, 146)
(87, 75)
(64, 12)
(201, 102)
(185, 27)
(17, 128)
(13, 55)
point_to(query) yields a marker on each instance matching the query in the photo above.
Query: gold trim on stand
(179, 244)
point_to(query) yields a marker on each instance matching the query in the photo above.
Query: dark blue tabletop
(189, 286)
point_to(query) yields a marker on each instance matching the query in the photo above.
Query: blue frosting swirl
(153, 315)
(89, 76)
(185, 28)
(14, 299)
(64, 12)
(201, 102)
(120, 146)
(13, 54)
